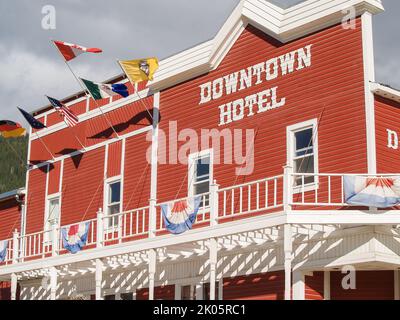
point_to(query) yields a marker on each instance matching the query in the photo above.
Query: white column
(221, 289)
(55, 239)
(152, 272)
(287, 188)
(14, 286)
(178, 292)
(214, 206)
(299, 287)
(287, 247)
(327, 285)
(99, 279)
(369, 76)
(213, 266)
(53, 283)
(15, 256)
(396, 285)
(154, 166)
(199, 291)
(100, 229)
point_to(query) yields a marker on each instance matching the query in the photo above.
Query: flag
(68, 116)
(101, 90)
(140, 70)
(3, 250)
(75, 237)
(180, 216)
(71, 51)
(372, 191)
(11, 129)
(35, 124)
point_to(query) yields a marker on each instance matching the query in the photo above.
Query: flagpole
(54, 159)
(136, 88)
(84, 89)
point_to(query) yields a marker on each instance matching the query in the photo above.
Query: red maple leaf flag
(70, 51)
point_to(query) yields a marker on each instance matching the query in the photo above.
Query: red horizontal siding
(387, 113)
(36, 198)
(82, 187)
(114, 159)
(160, 293)
(314, 286)
(266, 286)
(331, 90)
(370, 285)
(10, 218)
(54, 178)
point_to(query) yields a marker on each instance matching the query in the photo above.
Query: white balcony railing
(288, 192)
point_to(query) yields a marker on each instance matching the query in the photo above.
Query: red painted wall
(10, 218)
(267, 286)
(332, 87)
(36, 197)
(371, 285)
(314, 286)
(160, 293)
(387, 113)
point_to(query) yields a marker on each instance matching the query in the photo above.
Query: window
(109, 297)
(127, 296)
(302, 148)
(113, 202)
(200, 177)
(52, 216)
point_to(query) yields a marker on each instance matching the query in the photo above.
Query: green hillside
(13, 153)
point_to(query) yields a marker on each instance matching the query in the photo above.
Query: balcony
(284, 199)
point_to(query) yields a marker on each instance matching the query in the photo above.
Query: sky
(30, 66)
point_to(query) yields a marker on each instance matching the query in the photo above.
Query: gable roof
(282, 24)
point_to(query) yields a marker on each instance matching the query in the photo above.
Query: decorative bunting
(180, 216)
(372, 191)
(75, 237)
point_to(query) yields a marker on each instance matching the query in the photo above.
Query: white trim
(283, 24)
(369, 76)
(192, 170)
(327, 285)
(122, 171)
(385, 92)
(299, 285)
(290, 131)
(154, 147)
(93, 113)
(94, 147)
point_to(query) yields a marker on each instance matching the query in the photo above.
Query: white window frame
(290, 136)
(193, 157)
(49, 198)
(107, 184)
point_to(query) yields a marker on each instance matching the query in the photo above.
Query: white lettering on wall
(393, 139)
(265, 100)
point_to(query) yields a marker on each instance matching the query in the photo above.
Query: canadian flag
(71, 51)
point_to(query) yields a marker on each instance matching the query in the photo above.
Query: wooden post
(15, 256)
(99, 279)
(152, 271)
(152, 218)
(55, 239)
(213, 266)
(214, 205)
(53, 283)
(14, 286)
(100, 228)
(298, 285)
(287, 188)
(287, 247)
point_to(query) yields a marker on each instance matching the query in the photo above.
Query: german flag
(10, 129)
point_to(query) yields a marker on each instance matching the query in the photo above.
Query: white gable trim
(283, 24)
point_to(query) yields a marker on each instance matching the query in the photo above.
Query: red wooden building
(283, 104)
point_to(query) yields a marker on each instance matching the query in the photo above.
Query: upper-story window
(113, 205)
(303, 151)
(200, 175)
(52, 216)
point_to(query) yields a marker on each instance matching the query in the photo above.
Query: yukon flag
(75, 237)
(140, 70)
(375, 192)
(180, 216)
(70, 51)
(101, 90)
(3, 250)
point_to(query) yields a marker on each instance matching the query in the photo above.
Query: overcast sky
(30, 66)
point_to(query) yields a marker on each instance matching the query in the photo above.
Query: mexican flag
(101, 90)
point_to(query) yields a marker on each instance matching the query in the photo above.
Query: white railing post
(100, 228)
(15, 256)
(55, 239)
(287, 188)
(152, 218)
(214, 204)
